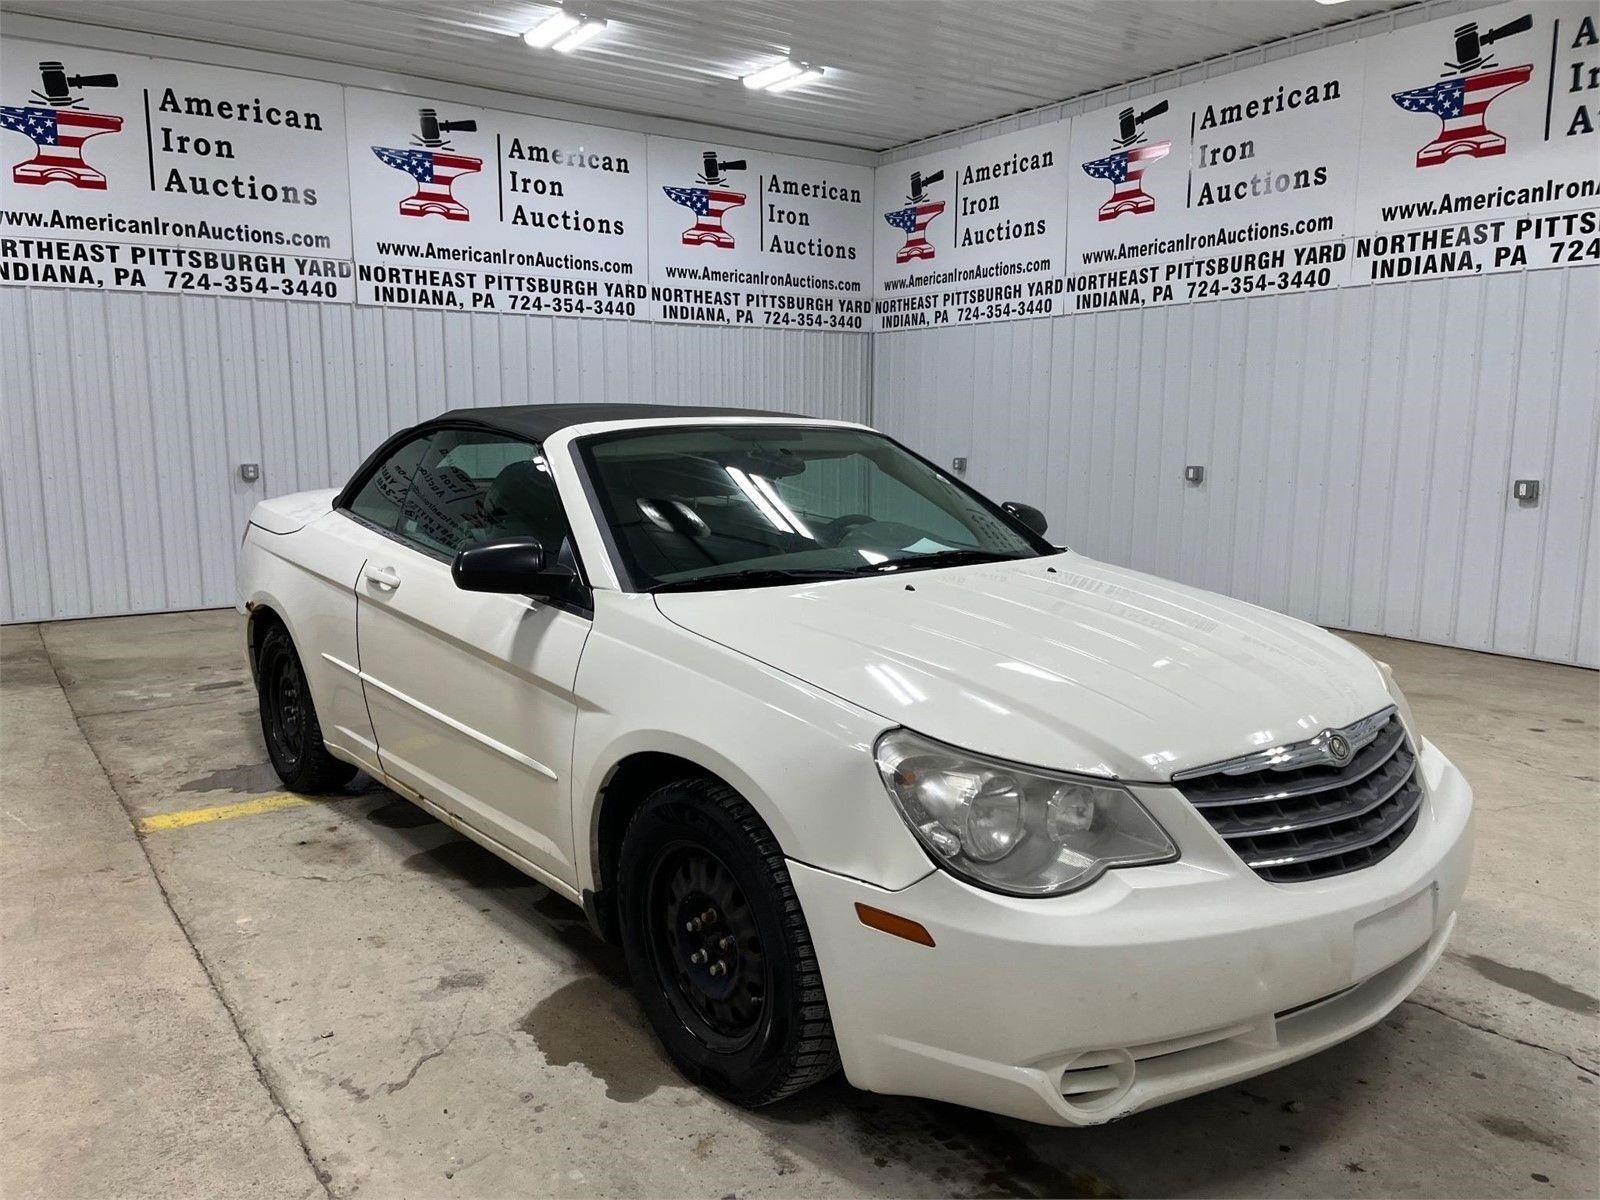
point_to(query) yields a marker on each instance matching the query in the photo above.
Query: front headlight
(1015, 829)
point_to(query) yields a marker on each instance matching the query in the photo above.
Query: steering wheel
(834, 531)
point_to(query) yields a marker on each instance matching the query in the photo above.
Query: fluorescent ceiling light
(768, 76)
(806, 75)
(1330, 1)
(580, 35)
(552, 27)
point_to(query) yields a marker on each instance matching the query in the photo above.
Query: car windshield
(725, 506)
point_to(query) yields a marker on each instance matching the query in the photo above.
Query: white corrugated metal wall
(1359, 444)
(126, 416)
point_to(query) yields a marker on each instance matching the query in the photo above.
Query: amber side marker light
(888, 922)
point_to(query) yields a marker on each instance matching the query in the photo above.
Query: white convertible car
(858, 768)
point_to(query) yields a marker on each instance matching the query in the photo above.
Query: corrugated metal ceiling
(899, 70)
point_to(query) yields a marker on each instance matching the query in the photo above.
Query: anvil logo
(1461, 101)
(58, 128)
(435, 168)
(914, 219)
(710, 202)
(1124, 170)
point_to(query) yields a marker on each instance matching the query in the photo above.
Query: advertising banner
(743, 237)
(458, 207)
(973, 234)
(1479, 146)
(146, 174)
(1237, 186)
(1454, 147)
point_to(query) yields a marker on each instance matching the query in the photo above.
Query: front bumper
(1152, 984)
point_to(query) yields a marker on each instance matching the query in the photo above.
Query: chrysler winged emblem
(1338, 747)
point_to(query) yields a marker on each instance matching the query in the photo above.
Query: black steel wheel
(289, 720)
(705, 946)
(718, 947)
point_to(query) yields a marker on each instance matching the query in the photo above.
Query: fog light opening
(1096, 1079)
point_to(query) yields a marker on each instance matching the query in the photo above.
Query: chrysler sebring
(857, 767)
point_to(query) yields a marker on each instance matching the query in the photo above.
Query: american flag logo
(708, 206)
(435, 172)
(1124, 170)
(1462, 106)
(58, 137)
(914, 222)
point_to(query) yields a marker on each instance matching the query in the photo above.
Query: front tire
(289, 720)
(718, 947)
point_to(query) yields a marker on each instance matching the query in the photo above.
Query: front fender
(801, 757)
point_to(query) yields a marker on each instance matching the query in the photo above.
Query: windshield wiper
(945, 558)
(755, 577)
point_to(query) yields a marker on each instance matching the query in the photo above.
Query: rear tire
(289, 720)
(701, 875)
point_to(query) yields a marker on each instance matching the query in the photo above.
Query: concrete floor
(346, 997)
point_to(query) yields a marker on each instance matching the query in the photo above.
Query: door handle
(384, 577)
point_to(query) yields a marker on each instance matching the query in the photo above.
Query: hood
(288, 514)
(1057, 662)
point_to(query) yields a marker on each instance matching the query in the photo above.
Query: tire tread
(319, 772)
(813, 1054)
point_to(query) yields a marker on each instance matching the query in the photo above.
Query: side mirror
(516, 566)
(1028, 515)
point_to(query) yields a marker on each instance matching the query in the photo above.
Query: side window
(381, 497)
(475, 487)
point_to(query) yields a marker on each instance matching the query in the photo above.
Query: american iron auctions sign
(973, 234)
(756, 240)
(1451, 148)
(1480, 150)
(142, 174)
(1242, 185)
(457, 207)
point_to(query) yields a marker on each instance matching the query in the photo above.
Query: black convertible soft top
(539, 421)
(536, 422)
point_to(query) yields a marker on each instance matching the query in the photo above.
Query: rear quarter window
(384, 494)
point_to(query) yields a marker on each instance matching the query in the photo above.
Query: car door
(330, 554)
(471, 694)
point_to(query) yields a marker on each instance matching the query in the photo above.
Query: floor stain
(226, 685)
(993, 1159)
(593, 1024)
(460, 980)
(1520, 1131)
(468, 862)
(247, 779)
(401, 814)
(1533, 983)
(334, 852)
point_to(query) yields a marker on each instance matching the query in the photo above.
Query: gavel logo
(914, 219)
(59, 131)
(1130, 124)
(1124, 168)
(920, 184)
(709, 203)
(1461, 99)
(713, 168)
(58, 85)
(433, 130)
(1470, 43)
(435, 167)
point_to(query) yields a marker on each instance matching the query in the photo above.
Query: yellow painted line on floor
(223, 812)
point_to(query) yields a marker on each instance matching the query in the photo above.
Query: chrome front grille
(1308, 811)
